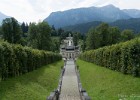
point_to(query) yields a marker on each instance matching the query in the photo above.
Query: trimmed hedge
(16, 60)
(123, 57)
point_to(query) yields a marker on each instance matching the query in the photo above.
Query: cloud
(129, 4)
(33, 10)
(103, 2)
(18, 8)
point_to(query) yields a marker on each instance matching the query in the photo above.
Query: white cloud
(33, 10)
(129, 4)
(105, 2)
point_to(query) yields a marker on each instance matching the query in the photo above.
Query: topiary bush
(16, 60)
(123, 57)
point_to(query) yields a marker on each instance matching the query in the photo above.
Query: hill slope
(133, 23)
(82, 28)
(132, 12)
(84, 15)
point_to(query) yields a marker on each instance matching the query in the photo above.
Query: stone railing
(54, 95)
(83, 93)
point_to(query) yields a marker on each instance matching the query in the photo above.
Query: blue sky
(37, 10)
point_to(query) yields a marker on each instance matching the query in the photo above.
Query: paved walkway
(69, 89)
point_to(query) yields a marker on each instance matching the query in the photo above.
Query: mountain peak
(132, 12)
(110, 6)
(108, 13)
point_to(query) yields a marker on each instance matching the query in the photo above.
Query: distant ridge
(108, 13)
(134, 13)
(133, 23)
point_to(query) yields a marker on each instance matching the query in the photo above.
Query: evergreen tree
(33, 35)
(1, 31)
(114, 35)
(76, 37)
(23, 27)
(53, 31)
(39, 36)
(26, 28)
(60, 31)
(44, 36)
(90, 40)
(103, 30)
(11, 30)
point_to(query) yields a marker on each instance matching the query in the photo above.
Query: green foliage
(103, 30)
(1, 32)
(24, 27)
(103, 35)
(65, 34)
(16, 60)
(122, 57)
(82, 28)
(82, 44)
(55, 45)
(123, 24)
(127, 35)
(93, 39)
(45, 37)
(53, 31)
(132, 24)
(76, 37)
(60, 31)
(11, 30)
(114, 35)
(39, 36)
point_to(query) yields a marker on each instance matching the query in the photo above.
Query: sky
(37, 10)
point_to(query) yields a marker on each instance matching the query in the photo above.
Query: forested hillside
(83, 28)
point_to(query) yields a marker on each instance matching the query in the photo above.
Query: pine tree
(11, 30)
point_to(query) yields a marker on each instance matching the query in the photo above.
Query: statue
(70, 43)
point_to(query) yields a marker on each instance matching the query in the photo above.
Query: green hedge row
(16, 60)
(123, 57)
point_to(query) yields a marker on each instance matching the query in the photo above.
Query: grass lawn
(104, 84)
(35, 85)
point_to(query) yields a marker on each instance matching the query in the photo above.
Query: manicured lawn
(35, 85)
(104, 84)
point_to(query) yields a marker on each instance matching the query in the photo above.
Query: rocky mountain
(107, 13)
(133, 24)
(2, 16)
(132, 12)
